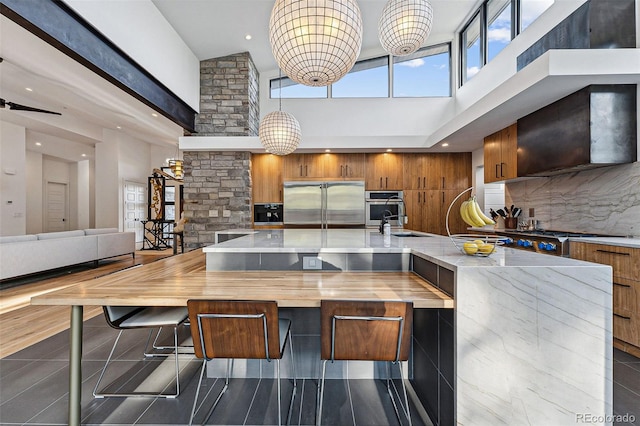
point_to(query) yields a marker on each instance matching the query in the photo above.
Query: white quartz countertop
(436, 248)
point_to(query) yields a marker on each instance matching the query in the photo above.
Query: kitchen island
(529, 340)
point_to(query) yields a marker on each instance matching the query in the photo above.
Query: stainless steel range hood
(593, 127)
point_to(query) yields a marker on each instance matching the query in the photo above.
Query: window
(291, 89)
(472, 54)
(170, 203)
(530, 10)
(492, 28)
(367, 79)
(424, 73)
(499, 31)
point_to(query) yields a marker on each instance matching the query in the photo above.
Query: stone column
(217, 184)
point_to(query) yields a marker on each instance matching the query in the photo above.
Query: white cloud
(414, 63)
(471, 71)
(502, 35)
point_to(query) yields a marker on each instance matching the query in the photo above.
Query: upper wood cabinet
(383, 171)
(501, 155)
(415, 171)
(303, 166)
(343, 166)
(266, 178)
(437, 171)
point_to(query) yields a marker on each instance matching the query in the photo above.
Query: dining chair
(366, 331)
(239, 330)
(130, 317)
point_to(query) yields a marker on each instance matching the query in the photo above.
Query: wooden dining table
(174, 280)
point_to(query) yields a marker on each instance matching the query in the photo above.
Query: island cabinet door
(266, 178)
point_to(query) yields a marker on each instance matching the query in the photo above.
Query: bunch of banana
(472, 214)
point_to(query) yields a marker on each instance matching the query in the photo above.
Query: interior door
(135, 206)
(57, 215)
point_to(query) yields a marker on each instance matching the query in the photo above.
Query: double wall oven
(381, 204)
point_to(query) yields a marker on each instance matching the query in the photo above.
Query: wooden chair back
(371, 331)
(234, 329)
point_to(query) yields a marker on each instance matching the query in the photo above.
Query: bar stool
(129, 317)
(239, 330)
(353, 330)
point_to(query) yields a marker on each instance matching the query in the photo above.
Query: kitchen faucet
(401, 217)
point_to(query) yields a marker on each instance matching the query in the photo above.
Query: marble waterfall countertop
(533, 333)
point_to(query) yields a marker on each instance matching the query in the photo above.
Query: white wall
(34, 194)
(13, 180)
(83, 194)
(119, 158)
(156, 45)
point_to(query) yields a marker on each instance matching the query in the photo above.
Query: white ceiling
(215, 28)
(89, 104)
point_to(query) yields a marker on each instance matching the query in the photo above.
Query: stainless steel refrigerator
(324, 203)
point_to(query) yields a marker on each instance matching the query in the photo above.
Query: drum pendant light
(315, 42)
(405, 25)
(279, 131)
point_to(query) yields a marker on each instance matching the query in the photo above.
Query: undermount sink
(406, 234)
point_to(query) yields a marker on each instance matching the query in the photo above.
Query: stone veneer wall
(217, 185)
(604, 200)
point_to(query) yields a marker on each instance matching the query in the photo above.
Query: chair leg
(95, 390)
(215, 403)
(186, 349)
(195, 401)
(321, 393)
(295, 385)
(390, 382)
(97, 394)
(279, 396)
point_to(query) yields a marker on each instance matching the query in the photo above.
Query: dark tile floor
(34, 386)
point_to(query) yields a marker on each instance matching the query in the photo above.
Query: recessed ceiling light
(445, 144)
(83, 155)
(247, 37)
(28, 89)
(118, 127)
(153, 114)
(38, 144)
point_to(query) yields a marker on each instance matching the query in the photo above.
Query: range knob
(546, 246)
(525, 243)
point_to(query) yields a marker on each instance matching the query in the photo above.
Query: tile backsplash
(605, 200)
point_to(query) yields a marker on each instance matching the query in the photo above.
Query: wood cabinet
(625, 262)
(437, 171)
(500, 155)
(266, 178)
(427, 211)
(303, 166)
(383, 171)
(343, 166)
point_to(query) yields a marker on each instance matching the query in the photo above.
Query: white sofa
(28, 254)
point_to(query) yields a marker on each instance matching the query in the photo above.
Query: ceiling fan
(18, 107)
